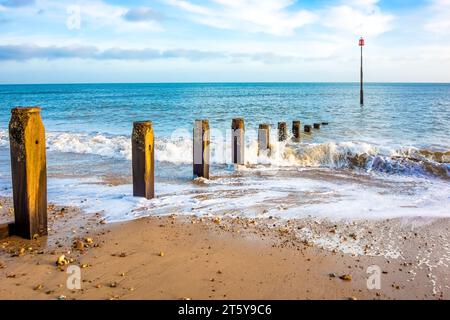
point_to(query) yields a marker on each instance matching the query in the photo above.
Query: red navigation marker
(361, 42)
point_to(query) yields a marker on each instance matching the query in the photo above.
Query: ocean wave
(352, 155)
(371, 158)
(4, 138)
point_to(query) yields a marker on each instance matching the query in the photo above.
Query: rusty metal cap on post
(146, 123)
(237, 123)
(21, 110)
(264, 126)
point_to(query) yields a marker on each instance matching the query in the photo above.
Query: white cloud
(100, 14)
(358, 17)
(277, 17)
(440, 21)
(95, 14)
(267, 16)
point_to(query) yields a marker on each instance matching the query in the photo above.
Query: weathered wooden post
(307, 128)
(316, 125)
(29, 172)
(237, 141)
(282, 131)
(296, 129)
(201, 148)
(6, 230)
(263, 138)
(143, 159)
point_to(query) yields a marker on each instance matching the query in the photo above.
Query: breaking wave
(352, 155)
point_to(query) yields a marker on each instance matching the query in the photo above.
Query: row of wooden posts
(201, 140)
(29, 169)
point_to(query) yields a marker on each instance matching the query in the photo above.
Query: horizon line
(226, 82)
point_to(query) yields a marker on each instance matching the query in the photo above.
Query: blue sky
(65, 41)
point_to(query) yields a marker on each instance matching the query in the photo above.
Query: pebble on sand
(79, 245)
(346, 277)
(62, 261)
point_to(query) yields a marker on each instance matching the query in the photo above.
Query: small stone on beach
(346, 277)
(79, 245)
(62, 261)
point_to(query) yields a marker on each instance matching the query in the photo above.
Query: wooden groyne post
(316, 125)
(201, 151)
(29, 172)
(307, 128)
(237, 141)
(263, 138)
(296, 129)
(282, 131)
(6, 230)
(143, 159)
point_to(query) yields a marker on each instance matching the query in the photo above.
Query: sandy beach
(186, 257)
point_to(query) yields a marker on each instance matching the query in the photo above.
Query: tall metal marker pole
(361, 98)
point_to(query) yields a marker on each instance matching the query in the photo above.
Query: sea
(389, 158)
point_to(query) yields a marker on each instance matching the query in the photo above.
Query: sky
(80, 41)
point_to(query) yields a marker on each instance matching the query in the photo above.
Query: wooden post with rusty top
(282, 131)
(296, 129)
(143, 159)
(237, 141)
(201, 152)
(307, 128)
(29, 172)
(263, 138)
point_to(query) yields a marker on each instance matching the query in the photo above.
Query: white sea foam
(108, 146)
(4, 141)
(178, 150)
(296, 196)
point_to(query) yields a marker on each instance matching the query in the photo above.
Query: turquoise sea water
(400, 114)
(397, 144)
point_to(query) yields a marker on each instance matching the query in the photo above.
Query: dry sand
(176, 257)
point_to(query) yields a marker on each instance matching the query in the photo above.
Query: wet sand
(186, 257)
